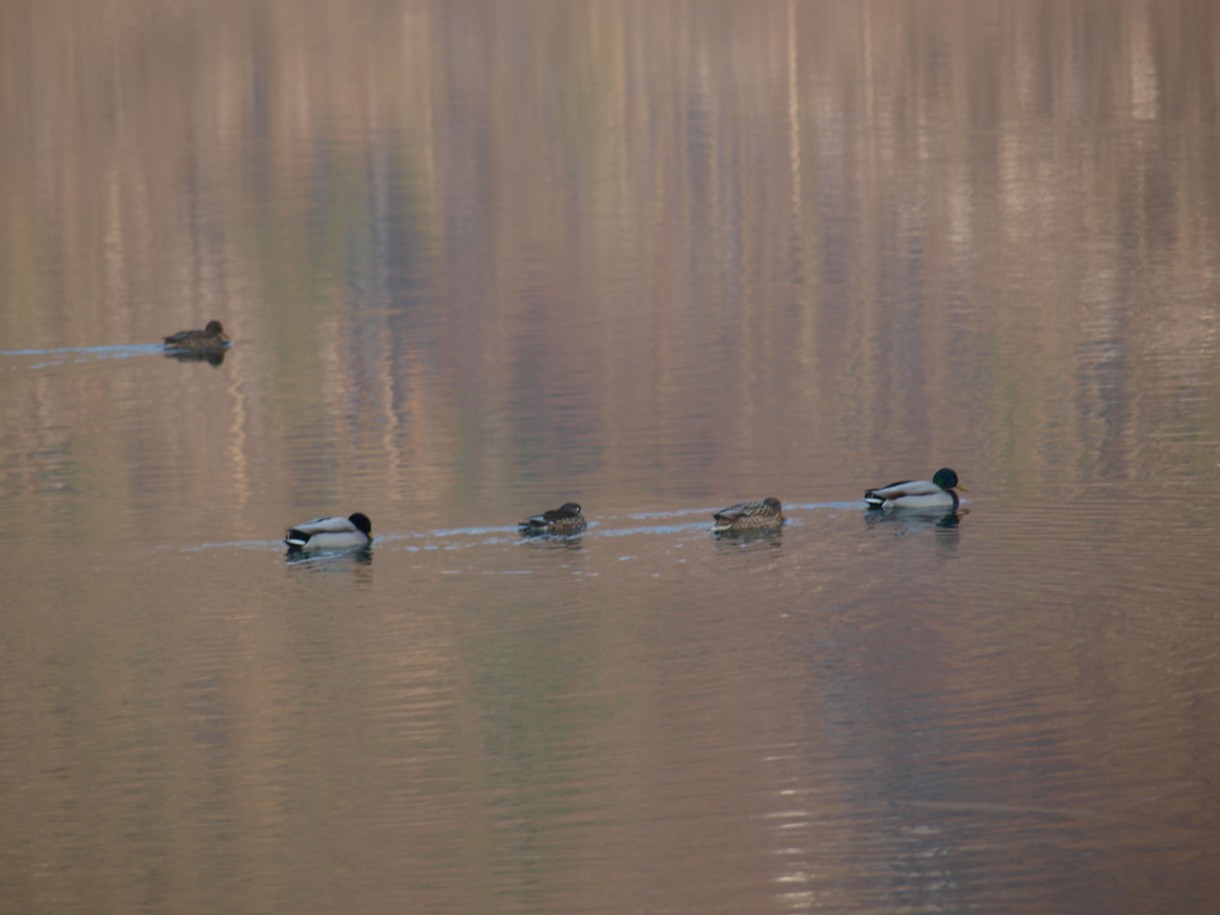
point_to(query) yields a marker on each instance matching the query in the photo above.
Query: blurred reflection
(215, 357)
(567, 542)
(736, 541)
(904, 521)
(910, 520)
(329, 560)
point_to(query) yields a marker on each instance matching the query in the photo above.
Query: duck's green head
(946, 478)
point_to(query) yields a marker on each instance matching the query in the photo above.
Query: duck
(335, 533)
(567, 519)
(749, 516)
(211, 339)
(939, 493)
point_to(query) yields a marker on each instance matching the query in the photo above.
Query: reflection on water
(904, 520)
(212, 358)
(656, 256)
(329, 558)
(749, 538)
(571, 542)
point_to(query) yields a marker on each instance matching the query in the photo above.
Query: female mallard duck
(940, 493)
(211, 339)
(566, 519)
(331, 533)
(750, 516)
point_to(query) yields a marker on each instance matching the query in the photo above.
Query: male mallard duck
(566, 519)
(938, 494)
(749, 516)
(210, 339)
(331, 533)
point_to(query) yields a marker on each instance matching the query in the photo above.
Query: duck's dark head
(215, 329)
(946, 478)
(362, 522)
(570, 508)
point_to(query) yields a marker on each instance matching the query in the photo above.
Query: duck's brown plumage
(750, 516)
(211, 338)
(567, 519)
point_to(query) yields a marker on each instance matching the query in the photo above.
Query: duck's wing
(335, 525)
(733, 512)
(904, 488)
(744, 510)
(548, 517)
(197, 339)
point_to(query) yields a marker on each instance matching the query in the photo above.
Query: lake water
(479, 259)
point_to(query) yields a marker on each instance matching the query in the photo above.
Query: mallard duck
(940, 493)
(211, 339)
(566, 519)
(749, 516)
(331, 533)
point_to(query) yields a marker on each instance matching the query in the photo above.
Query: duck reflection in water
(211, 358)
(330, 560)
(914, 520)
(749, 540)
(571, 543)
(944, 529)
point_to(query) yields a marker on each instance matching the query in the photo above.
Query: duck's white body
(331, 533)
(937, 493)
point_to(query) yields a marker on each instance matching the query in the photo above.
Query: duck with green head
(938, 494)
(334, 533)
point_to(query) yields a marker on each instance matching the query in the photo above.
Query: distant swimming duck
(749, 516)
(331, 533)
(940, 493)
(211, 339)
(566, 519)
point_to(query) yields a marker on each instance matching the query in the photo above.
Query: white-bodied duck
(938, 493)
(352, 532)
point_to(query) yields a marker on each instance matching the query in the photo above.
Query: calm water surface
(481, 259)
